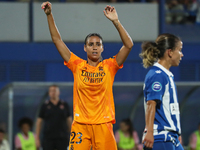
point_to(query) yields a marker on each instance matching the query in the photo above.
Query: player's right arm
(55, 35)
(149, 119)
(38, 129)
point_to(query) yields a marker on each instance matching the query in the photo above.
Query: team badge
(158, 71)
(100, 68)
(156, 86)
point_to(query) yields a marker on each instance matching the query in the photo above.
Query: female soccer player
(161, 105)
(93, 103)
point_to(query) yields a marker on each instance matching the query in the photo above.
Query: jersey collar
(169, 73)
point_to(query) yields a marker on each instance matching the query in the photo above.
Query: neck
(26, 134)
(164, 63)
(93, 63)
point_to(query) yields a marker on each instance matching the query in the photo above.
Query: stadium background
(30, 60)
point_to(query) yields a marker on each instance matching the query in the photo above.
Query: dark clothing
(55, 120)
(58, 144)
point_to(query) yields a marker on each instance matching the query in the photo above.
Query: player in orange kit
(93, 104)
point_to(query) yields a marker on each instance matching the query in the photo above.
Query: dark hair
(152, 51)
(128, 122)
(93, 34)
(2, 131)
(25, 120)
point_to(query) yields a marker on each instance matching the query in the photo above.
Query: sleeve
(155, 87)
(67, 109)
(73, 62)
(193, 141)
(42, 112)
(17, 142)
(113, 65)
(117, 136)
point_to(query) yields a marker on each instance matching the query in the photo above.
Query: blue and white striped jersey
(159, 85)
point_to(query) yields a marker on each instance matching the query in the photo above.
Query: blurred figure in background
(57, 122)
(191, 7)
(3, 142)
(25, 139)
(175, 12)
(198, 13)
(194, 141)
(126, 137)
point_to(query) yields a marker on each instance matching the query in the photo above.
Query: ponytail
(152, 51)
(149, 54)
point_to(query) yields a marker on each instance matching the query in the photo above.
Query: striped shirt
(159, 85)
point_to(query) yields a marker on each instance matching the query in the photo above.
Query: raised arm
(55, 35)
(111, 14)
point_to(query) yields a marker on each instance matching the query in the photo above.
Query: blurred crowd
(177, 11)
(126, 137)
(182, 11)
(54, 135)
(98, 1)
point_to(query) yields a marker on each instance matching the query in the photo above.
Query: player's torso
(89, 77)
(167, 111)
(93, 96)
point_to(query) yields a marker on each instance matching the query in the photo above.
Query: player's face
(54, 92)
(25, 128)
(94, 48)
(124, 127)
(177, 54)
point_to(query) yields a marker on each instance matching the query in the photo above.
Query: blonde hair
(149, 54)
(152, 51)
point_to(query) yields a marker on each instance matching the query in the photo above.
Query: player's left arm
(111, 14)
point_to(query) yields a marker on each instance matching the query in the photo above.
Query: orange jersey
(93, 101)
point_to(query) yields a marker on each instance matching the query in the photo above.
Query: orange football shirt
(93, 101)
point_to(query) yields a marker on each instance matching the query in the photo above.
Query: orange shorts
(99, 136)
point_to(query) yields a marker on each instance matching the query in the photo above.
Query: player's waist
(84, 120)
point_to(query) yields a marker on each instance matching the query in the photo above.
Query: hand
(111, 13)
(47, 7)
(148, 140)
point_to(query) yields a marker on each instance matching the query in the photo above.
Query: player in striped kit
(161, 105)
